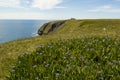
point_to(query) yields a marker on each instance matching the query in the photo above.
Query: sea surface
(19, 29)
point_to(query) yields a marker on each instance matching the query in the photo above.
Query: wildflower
(13, 66)
(49, 46)
(104, 29)
(85, 46)
(67, 65)
(87, 62)
(64, 47)
(18, 55)
(92, 49)
(37, 53)
(13, 70)
(99, 64)
(64, 57)
(66, 69)
(27, 74)
(57, 74)
(36, 78)
(67, 62)
(102, 78)
(19, 62)
(72, 57)
(114, 61)
(110, 63)
(111, 75)
(41, 53)
(89, 43)
(47, 65)
(34, 66)
(103, 40)
(99, 72)
(88, 49)
(68, 55)
(119, 61)
(105, 57)
(73, 65)
(82, 58)
(25, 53)
(41, 46)
(85, 66)
(44, 62)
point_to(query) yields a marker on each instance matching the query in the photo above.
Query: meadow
(73, 59)
(81, 49)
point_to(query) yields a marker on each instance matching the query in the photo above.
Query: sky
(59, 9)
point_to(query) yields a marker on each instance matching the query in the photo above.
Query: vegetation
(75, 59)
(70, 29)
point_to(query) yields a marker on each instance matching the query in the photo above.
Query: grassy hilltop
(88, 48)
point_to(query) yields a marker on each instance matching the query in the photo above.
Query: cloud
(9, 3)
(40, 4)
(105, 8)
(46, 4)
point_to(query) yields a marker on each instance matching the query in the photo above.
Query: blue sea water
(18, 29)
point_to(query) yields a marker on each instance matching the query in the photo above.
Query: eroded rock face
(49, 27)
(40, 32)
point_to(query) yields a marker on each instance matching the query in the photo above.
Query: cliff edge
(50, 27)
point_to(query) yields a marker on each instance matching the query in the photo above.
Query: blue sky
(59, 9)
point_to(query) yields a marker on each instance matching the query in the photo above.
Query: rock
(50, 27)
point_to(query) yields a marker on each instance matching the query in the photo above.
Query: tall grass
(84, 58)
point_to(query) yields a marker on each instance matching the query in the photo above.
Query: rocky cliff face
(50, 27)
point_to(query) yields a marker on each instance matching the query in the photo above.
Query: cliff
(50, 27)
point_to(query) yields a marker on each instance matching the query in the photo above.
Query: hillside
(83, 58)
(82, 27)
(47, 28)
(66, 29)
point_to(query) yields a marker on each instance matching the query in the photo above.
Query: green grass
(72, 29)
(86, 58)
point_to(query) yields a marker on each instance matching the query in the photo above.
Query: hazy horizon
(59, 9)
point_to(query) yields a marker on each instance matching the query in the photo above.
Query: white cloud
(10, 3)
(46, 4)
(105, 8)
(41, 4)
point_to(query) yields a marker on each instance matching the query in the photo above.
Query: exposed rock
(50, 27)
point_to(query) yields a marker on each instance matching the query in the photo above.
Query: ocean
(18, 29)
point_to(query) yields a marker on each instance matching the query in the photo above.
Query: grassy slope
(72, 28)
(85, 58)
